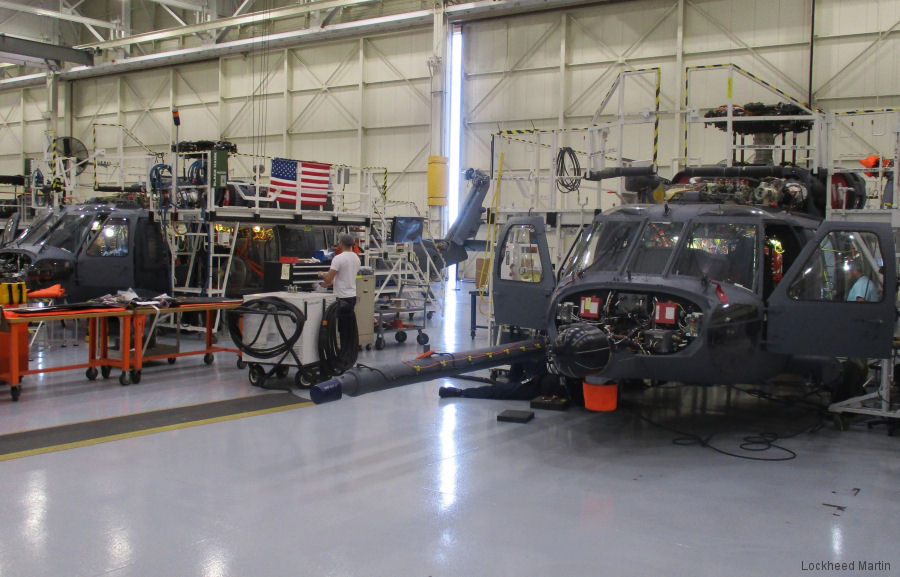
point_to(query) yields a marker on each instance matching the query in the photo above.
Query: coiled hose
(287, 319)
(338, 339)
(567, 179)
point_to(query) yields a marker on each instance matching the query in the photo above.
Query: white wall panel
(397, 57)
(856, 53)
(769, 38)
(11, 132)
(196, 84)
(367, 101)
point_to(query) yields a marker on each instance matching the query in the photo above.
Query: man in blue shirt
(863, 289)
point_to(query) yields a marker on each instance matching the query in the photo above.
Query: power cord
(287, 319)
(338, 339)
(763, 441)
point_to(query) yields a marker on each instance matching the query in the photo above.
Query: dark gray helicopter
(91, 250)
(713, 292)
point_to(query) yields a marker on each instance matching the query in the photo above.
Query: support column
(126, 25)
(678, 163)
(561, 122)
(437, 67)
(52, 114)
(22, 127)
(221, 103)
(360, 127)
(439, 132)
(287, 110)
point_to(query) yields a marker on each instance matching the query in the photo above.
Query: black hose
(285, 317)
(338, 339)
(567, 180)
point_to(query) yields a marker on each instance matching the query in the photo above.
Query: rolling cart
(390, 319)
(268, 328)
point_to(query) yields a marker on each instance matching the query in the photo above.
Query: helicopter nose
(580, 349)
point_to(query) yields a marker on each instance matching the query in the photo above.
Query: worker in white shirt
(342, 274)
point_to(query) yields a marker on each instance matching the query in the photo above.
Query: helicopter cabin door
(838, 298)
(522, 274)
(106, 263)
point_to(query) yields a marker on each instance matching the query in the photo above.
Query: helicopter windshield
(70, 231)
(603, 247)
(722, 252)
(39, 229)
(656, 245)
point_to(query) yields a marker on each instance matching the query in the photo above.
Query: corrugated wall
(367, 101)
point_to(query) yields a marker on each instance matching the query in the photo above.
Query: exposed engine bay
(783, 192)
(642, 323)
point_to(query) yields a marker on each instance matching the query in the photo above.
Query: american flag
(315, 181)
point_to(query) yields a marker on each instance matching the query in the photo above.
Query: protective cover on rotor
(580, 349)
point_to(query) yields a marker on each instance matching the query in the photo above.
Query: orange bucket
(599, 395)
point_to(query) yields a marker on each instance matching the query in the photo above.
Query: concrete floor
(403, 483)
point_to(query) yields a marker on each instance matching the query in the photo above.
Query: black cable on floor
(751, 443)
(763, 441)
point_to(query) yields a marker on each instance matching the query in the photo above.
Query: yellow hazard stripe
(656, 119)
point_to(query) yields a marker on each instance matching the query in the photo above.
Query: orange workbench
(139, 321)
(13, 368)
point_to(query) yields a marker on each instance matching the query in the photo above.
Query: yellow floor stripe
(151, 431)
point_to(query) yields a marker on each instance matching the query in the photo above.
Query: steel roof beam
(181, 4)
(59, 15)
(19, 49)
(252, 18)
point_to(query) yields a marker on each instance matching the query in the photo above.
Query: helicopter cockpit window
(111, 241)
(603, 247)
(69, 232)
(9, 229)
(844, 268)
(521, 259)
(721, 252)
(40, 229)
(655, 247)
